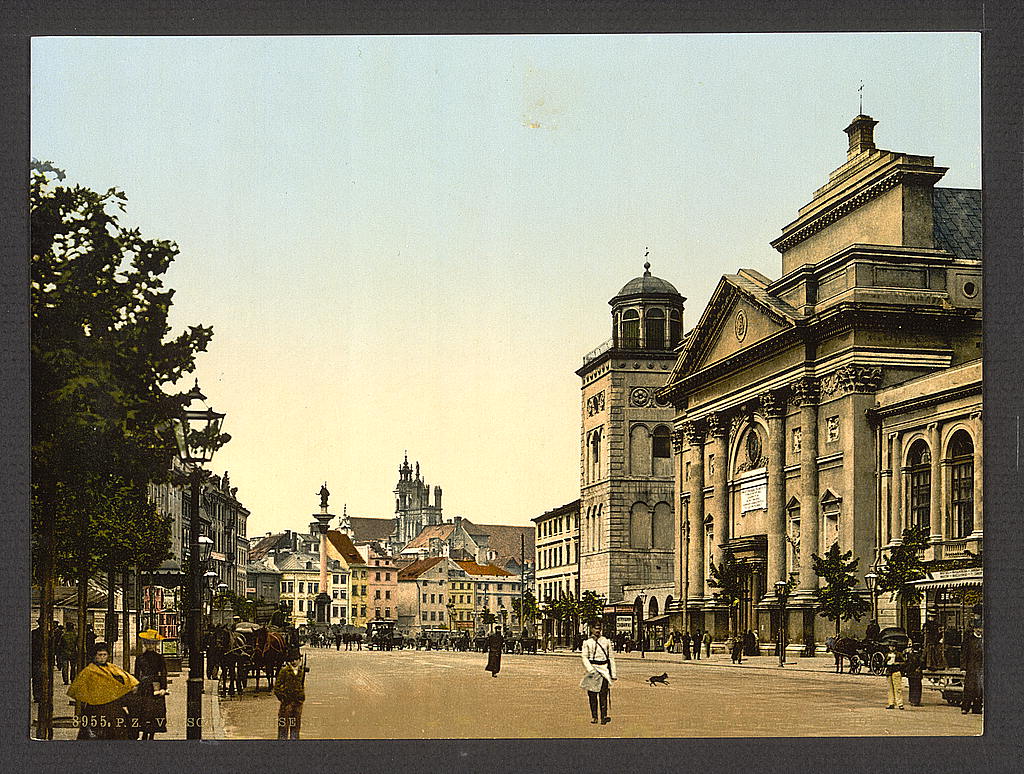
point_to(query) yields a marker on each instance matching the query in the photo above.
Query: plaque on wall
(754, 498)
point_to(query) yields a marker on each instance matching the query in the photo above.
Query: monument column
(323, 599)
(805, 395)
(695, 438)
(719, 432)
(773, 406)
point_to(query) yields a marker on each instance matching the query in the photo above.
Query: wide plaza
(415, 694)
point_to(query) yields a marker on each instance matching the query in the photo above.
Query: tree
(527, 609)
(903, 567)
(839, 599)
(100, 361)
(727, 578)
(591, 606)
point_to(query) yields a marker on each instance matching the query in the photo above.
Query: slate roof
(263, 546)
(366, 529)
(422, 540)
(957, 221)
(504, 539)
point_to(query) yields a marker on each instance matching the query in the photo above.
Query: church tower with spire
(413, 507)
(627, 536)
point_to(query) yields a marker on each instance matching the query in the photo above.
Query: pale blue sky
(410, 242)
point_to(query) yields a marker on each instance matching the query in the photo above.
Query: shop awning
(657, 619)
(953, 583)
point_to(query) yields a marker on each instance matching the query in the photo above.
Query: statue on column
(324, 494)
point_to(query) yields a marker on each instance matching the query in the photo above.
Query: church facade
(840, 402)
(413, 507)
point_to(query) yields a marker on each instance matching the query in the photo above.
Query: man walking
(597, 658)
(972, 659)
(687, 644)
(69, 667)
(696, 644)
(290, 690)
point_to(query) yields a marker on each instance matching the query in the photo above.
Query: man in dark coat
(687, 644)
(495, 643)
(151, 672)
(972, 659)
(37, 660)
(695, 644)
(873, 631)
(932, 656)
(912, 670)
(290, 690)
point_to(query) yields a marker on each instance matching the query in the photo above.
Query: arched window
(961, 453)
(595, 455)
(709, 542)
(661, 451)
(639, 450)
(920, 462)
(652, 607)
(654, 329)
(675, 328)
(662, 529)
(631, 329)
(640, 526)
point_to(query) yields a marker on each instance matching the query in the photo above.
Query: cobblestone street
(439, 694)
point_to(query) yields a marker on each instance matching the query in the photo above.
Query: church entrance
(751, 557)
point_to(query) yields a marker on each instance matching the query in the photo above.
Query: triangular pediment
(739, 315)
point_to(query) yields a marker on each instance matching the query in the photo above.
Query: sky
(409, 243)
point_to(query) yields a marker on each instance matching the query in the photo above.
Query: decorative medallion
(639, 396)
(663, 402)
(753, 446)
(740, 325)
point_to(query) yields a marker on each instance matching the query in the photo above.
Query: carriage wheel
(877, 663)
(854, 664)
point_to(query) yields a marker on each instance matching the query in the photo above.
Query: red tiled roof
(419, 567)
(482, 569)
(343, 544)
(263, 546)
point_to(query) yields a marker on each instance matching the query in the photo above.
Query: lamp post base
(194, 704)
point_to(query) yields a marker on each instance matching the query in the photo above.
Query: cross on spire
(860, 91)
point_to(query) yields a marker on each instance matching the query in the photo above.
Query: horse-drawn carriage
(248, 650)
(866, 653)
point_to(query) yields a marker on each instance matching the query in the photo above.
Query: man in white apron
(597, 658)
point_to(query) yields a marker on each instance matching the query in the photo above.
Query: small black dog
(662, 678)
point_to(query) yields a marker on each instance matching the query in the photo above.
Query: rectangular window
(387, 612)
(362, 609)
(376, 593)
(314, 588)
(440, 616)
(364, 591)
(432, 599)
(377, 576)
(334, 611)
(424, 615)
(433, 616)
(963, 498)
(920, 498)
(302, 605)
(424, 598)
(387, 595)
(499, 587)
(387, 576)
(302, 587)
(336, 579)
(376, 612)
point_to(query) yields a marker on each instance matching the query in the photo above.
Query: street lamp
(197, 432)
(782, 592)
(871, 579)
(640, 624)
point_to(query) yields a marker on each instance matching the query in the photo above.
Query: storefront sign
(962, 572)
(754, 498)
(623, 625)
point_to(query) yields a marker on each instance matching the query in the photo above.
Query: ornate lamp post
(198, 434)
(782, 592)
(871, 579)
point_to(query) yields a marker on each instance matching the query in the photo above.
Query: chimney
(861, 132)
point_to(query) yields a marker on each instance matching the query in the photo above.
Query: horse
(844, 647)
(212, 646)
(236, 657)
(269, 653)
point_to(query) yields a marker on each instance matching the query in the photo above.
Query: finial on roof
(647, 264)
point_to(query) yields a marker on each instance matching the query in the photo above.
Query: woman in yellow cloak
(102, 689)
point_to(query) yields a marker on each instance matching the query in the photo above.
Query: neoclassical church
(840, 402)
(626, 474)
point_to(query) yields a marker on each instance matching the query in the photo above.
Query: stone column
(805, 394)
(681, 517)
(887, 490)
(719, 432)
(935, 530)
(979, 470)
(897, 490)
(773, 406)
(695, 438)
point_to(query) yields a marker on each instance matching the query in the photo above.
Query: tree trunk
(125, 642)
(44, 721)
(83, 605)
(109, 632)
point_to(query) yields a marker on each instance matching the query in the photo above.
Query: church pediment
(739, 315)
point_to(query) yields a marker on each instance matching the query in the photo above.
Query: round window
(970, 289)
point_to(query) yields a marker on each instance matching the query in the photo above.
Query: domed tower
(626, 482)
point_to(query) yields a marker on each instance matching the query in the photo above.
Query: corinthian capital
(678, 439)
(717, 427)
(805, 392)
(693, 433)
(773, 405)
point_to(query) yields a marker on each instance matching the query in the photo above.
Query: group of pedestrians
(115, 704)
(63, 647)
(690, 645)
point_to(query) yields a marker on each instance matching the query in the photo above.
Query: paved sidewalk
(213, 724)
